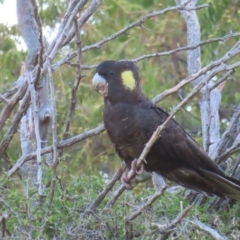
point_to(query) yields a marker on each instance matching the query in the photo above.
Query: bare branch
(106, 190)
(233, 149)
(6, 112)
(3, 99)
(54, 160)
(62, 144)
(189, 47)
(83, 19)
(76, 83)
(24, 105)
(222, 79)
(65, 27)
(69, 56)
(134, 214)
(8, 93)
(218, 63)
(37, 133)
(139, 22)
(228, 137)
(167, 229)
(209, 230)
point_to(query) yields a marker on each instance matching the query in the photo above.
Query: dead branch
(8, 94)
(106, 190)
(166, 230)
(11, 104)
(76, 83)
(233, 149)
(69, 56)
(34, 109)
(222, 79)
(208, 229)
(82, 20)
(139, 22)
(60, 145)
(64, 28)
(24, 105)
(54, 160)
(228, 137)
(128, 219)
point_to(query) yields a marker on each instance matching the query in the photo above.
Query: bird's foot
(125, 181)
(134, 167)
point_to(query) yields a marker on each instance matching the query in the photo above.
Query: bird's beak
(100, 84)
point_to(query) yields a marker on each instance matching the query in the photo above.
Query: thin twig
(14, 124)
(234, 148)
(167, 229)
(8, 93)
(139, 22)
(62, 144)
(86, 14)
(108, 187)
(6, 112)
(70, 56)
(57, 42)
(76, 83)
(230, 54)
(222, 79)
(208, 229)
(134, 214)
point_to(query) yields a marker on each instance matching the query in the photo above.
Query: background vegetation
(86, 167)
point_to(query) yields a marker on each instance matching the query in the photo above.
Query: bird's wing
(178, 157)
(176, 143)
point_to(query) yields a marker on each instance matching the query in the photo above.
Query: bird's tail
(223, 185)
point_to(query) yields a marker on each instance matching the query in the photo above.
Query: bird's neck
(133, 97)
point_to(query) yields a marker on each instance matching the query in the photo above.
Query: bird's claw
(125, 181)
(134, 167)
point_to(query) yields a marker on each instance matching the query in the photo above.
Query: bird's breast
(121, 124)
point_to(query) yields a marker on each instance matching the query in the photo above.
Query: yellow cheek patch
(128, 80)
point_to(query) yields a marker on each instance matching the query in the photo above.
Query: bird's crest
(128, 80)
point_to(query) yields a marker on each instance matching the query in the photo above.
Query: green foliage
(83, 165)
(67, 218)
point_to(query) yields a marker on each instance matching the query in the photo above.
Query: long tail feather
(228, 186)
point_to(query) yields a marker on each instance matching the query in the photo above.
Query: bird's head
(118, 80)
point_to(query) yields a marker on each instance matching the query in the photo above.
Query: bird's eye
(111, 73)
